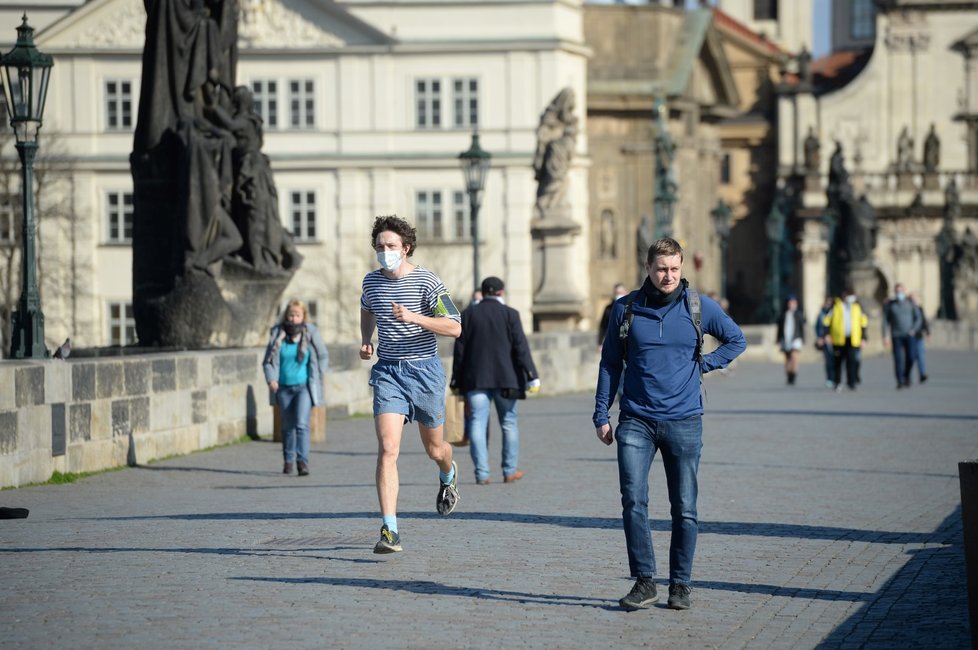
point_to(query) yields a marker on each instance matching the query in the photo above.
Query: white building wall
(364, 157)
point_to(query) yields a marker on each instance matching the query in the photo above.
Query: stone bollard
(968, 474)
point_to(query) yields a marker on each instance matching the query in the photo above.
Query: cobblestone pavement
(826, 520)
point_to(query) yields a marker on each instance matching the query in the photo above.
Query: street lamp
(475, 168)
(24, 73)
(721, 224)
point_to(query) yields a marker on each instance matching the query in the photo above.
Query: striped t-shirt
(420, 291)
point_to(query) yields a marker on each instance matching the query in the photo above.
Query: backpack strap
(626, 324)
(696, 312)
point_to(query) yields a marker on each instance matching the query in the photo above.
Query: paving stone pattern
(827, 520)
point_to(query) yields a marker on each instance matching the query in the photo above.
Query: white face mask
(389, 260)
(850, 299)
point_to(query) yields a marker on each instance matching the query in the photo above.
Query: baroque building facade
(644, 55)
(365, 105)
(898, 122)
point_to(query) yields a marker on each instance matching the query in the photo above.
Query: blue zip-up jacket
(662, 378)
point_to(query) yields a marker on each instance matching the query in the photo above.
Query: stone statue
(904, 159)
(254, 205)
(644, 239)
(606, 240)
(209, 266)
(932, 151)
(837, 170)
(860, 231)
(556, 137)
(805, 66)
(812, 152)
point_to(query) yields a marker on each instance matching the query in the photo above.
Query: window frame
(303, 215)
(265, 94)
(121, 102)
(116, 219)
(302, 103)
(122, 324)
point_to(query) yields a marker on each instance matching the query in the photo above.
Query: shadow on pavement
(427, 587)
(730, 528)
(876, 415)
(924, 605)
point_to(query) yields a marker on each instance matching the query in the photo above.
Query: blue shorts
(415, 389)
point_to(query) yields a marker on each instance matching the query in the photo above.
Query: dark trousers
(851, 356)
(902, 359)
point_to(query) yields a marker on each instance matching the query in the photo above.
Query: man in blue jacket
(658, 354)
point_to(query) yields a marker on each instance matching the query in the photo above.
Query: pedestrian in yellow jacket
(847, 325)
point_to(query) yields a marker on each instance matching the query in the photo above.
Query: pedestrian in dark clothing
(901, 322)
(492, 364)
(619, 291)
(791, 336)
(660, 361)
(918, 340)
(823, 341)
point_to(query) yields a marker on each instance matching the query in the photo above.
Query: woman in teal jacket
(295, 362)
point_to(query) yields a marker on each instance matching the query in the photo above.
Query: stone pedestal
(813, 182)
(931, 181)
(905, 181)
(866, 284)
(234, 307)
(558, 304)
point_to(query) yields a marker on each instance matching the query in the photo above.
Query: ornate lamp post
(475, 168)
(664, 199)
(721, 223)
(24, 73)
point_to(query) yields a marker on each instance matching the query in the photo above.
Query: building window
(462, 221)
(265, 94)
(118, 216)
(725, 168)
(302, 104)
(765, 9)
(302, 208)
(118, 105)
(863, 19)
(8, 223)
(428, 213)
(465, 92)
(122, 324)
(428, 102)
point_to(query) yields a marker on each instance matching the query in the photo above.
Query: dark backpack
(695, 311)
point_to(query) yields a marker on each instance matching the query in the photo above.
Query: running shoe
(448, 494)
(389, 542)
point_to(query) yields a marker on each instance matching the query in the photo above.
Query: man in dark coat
(493, 364)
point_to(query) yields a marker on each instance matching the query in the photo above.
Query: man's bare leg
(389, 427)
(434, 444)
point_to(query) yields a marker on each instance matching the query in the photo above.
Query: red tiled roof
(724, 19)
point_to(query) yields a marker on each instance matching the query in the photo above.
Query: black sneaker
(448, 494)
(679, 596)
(389, 542)
(642, 595)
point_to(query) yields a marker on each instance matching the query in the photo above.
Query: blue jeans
(478, 425)
(680, 442)
(918, 356)
(829, 358)
(296, 404)
(902, 358)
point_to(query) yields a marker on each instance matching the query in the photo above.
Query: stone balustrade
(94, 413)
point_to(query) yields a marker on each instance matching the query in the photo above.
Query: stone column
(558, 303)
